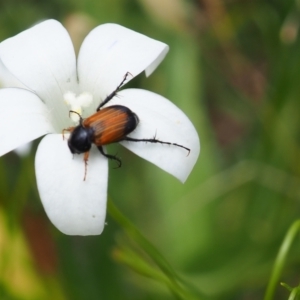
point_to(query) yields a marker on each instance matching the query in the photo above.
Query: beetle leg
(70, 129)
(110, 96)
(155, 140)
(85, 158)
(110, 157)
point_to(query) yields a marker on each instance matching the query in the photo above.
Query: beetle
(106, 126)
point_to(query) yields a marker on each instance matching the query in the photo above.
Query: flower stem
(281, 258)
(174, 282)
(294, 294)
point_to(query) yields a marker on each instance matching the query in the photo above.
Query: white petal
(109, 52)
(24, 149)
(24, 117)
(161, 118)
(74, 206)
(43, 59)
(7, 79)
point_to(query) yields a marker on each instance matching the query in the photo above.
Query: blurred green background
(234, 69)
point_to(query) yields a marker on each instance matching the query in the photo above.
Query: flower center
(77, 103)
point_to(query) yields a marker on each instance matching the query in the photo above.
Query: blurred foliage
(234, 69)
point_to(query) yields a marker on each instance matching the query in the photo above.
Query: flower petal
(74, 206)
(7, 79)
(24, 149)
(160, 118)
(24, 117)
(109, 52)
(43, 59)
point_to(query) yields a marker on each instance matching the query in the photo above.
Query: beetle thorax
(80, 140)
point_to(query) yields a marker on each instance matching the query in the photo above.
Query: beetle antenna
(75, 112)
(70, 129)
(110, 96)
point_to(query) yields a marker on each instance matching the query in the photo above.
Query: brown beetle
(108, 125)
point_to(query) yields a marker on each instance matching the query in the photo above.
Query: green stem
(294, 293)
(138, 237)
(280, 259)
(137, 263)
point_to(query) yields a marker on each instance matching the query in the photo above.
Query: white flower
(42, 61)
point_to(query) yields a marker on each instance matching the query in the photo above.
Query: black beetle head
(80, 140)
